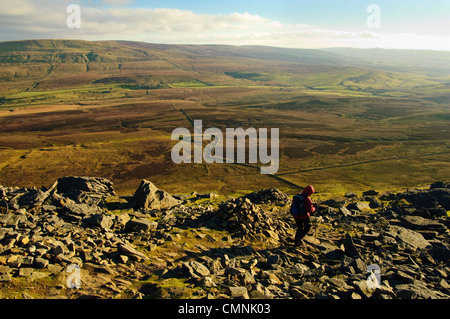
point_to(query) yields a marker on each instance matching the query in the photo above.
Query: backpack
(298, 208)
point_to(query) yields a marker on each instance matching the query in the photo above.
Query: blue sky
(408, 24)
(288, 11)
(402, 14)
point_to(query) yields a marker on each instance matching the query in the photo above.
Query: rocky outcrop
(83, 189)
(236, 249)
(148, 197)
(412, 252)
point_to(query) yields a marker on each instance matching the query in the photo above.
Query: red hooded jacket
(308, 191)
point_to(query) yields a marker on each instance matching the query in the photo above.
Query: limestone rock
(238, 292)
(350, 248)
(102, 221)
(358, 206)
(149, 197)
(141, 224)
(420, 223)
(412, 238)
(131, 252)
(110, 246)
(90, 185)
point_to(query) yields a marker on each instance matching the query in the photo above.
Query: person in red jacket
(304, 222)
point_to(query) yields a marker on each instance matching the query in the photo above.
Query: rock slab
(149, 197)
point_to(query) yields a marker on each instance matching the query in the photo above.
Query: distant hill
(308, 56)
(426, 61)
(61, 64)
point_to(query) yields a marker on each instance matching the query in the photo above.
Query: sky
(399, 24)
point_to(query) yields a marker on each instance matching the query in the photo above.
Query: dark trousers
(304, 225)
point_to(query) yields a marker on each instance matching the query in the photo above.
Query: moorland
(349, 119)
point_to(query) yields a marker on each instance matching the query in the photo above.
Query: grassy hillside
(54, 64)
(435, 63)
(348, 119)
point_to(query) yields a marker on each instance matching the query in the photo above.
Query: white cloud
(117, 2)
(47, 19)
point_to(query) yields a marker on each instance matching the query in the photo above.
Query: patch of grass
(173, 288)
(37, 289)
(253, 76)
(189, 84)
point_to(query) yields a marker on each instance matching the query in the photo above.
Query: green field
(348, 119)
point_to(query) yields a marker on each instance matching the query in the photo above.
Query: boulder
(371, 192)
(40, 262)
(442, 196)
(375, 203)
(410, 237)
(260, 292)
(196, 269)
(140, 224)
(238, 292)
(350, 248)
(89, 185)
(344, 211)
(83, 190)
(77, 211)
(335, 203)
(304, 289)
(440, 184)
(420, 223)
(440, 252)
(131, 252)
(350, 194)
(428, 198)
(335, 254)
(417, 290)
(149, 197)
(32, 197)
(274, 260)
(424, 200)
(358, 206)
(102, 221)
